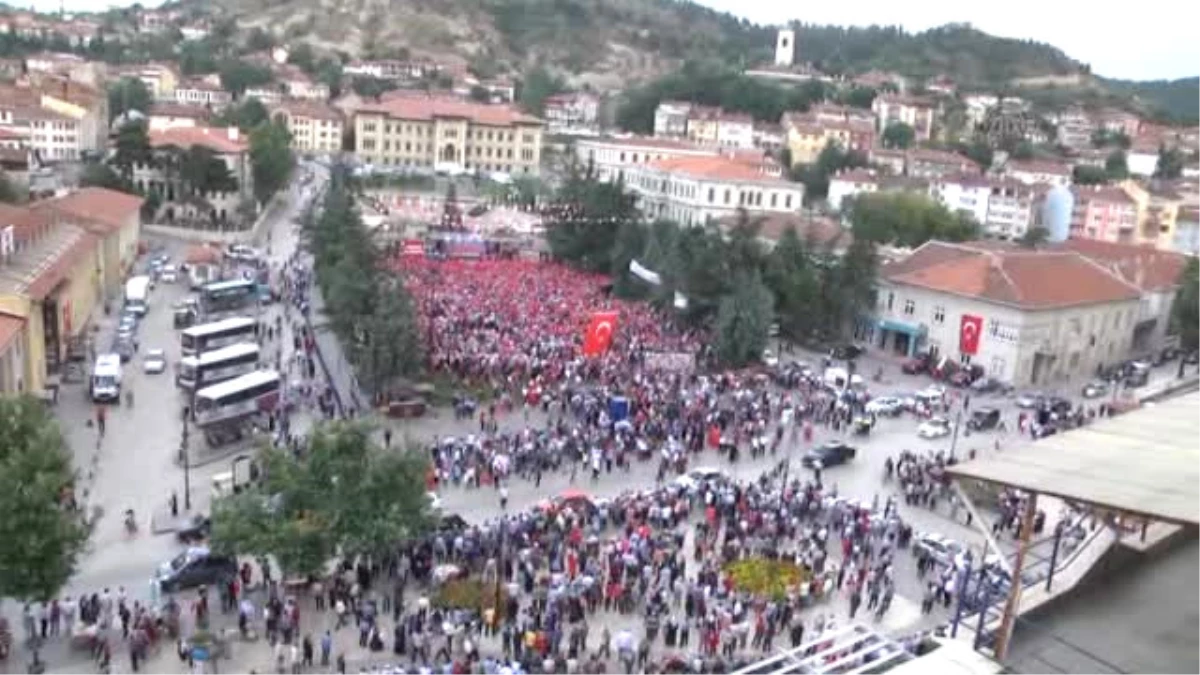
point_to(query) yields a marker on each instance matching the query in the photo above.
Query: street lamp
(184, 456)
(954, 439)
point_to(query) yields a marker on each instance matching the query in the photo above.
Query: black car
(195, 567)
(125, 348)
(846, 352)
(829, 454)
(1057, 405)
(983, 419)
(196, 529)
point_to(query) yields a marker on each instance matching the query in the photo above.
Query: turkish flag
(599, 334)
(968, 333)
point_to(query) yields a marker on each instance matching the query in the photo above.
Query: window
(891, 299)
(774, 198)
(939, 315)
(712, 195)
(787, 203)
(527, 154)
(728, 195)
(909, 307)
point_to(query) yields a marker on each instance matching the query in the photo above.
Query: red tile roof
(203, 255)
(169, 109)
(58, 263)
(216, 138)
(427, 108)
(1030, 280)
(1112, 195)
(309, 109)
(1039, 166)
(1149, 269)
(10, 327)
(815, 231)
(24, 220)
(100, 210)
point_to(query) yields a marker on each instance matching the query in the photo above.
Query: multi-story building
(112, 217)
(160, 78)
(612, 157)
(51, 137)
(442, 131)
(1119, 122)
(1187, 231)
(828, 112)
(268, 95)
(85, 105)
(179, 205)
(202, 92)
(1142, 158)
(918, 113)
(671, 119)
(1034, 172)
(572, 113)
(966, 194)
(1104, 214)
(922, 163)
(808, 135)
(315, 127)
(735, 130)
(851, 183)
(1158, 207)
(1075, 128)
(295, 83)
(768, 137)
(700, 190)
(1027, 317)
(170, 114)
(894, 162)
(1004, 209)
(703, 124)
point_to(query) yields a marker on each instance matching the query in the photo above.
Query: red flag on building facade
(599, 335)
(969, 333)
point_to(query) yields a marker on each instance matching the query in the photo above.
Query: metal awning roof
(1145, 462)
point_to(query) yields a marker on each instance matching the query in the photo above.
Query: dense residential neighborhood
(576, 336)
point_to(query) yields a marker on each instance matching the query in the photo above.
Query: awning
(901, 327)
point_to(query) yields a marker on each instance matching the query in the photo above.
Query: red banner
(968, 333)
(599, 335)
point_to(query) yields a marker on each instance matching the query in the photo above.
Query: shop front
(899, 337)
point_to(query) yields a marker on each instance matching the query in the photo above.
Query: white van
(137, 291)
(106, 378)
(837, 378)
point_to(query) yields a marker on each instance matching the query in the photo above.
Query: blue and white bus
(222, 298)
(210, 336)
(209, 368)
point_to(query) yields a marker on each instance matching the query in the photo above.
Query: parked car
(936, 427)
(168, 274)
(769, 359)
(196, 529)
(983, 419)
(829, 454)
(154, 361)
(1095, 389)
(965, 376)
(916, 365)
(846, 352)
(941, 548)
(1057, 405)
(885, 405)
(1030, 399)
(1138, 375)
(126, 348)
(197, 566)
(987, 385)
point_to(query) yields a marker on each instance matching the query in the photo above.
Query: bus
(106, 378)
(228, 297)
(232, 400)
(136, 291)
(215, 366)
(209, 336)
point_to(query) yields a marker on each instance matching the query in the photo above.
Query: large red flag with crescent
(969, 330)
(599, 334)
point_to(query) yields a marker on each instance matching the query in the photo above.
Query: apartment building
(228, 145)
(202, 92)
(572, 113)
(438, 131)
(922, 163)
(315, 127)
(671, 119)
(848, 184)
(1158, 207)
(160, 78)
(1075, 128)
(1038, 171)
(918, 113)
(700, 190)
(1104, 213)
(809, 134)
(165, 115)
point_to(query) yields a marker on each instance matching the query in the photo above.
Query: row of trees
(368, 306)
(733, 283)
(344, 496)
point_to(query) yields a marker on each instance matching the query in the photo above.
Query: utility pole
(954, 439)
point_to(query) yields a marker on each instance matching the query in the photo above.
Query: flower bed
(765, 577)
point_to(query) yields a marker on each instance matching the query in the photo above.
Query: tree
(832, 160)
(329, 72)
(197, 58)
(536, 87)
(132, 148)
(302, 57)
(583, 220)
(480, 94)
(860, 97)
(1116, 165)
(906, 219)
(271, 159)
(898, 135)
(1021, 150)
(43, 532)
(237, 76)
(1185, 312)
(1170, 163)
(259, 40)
(371, 87)
(202, 171)
(245, 116)
(128, 93)
(9, 192)
(95, 174)
(344, 496)
(1034, 237)
(744, 322)
(1089, 175)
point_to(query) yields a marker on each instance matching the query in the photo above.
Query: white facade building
(699, 190)
(573, 113)
(785, 47)
(735, 132)
(1141, 162)
(1035, 172)
(198, 92)
(612, 157)
(963, 194)
(1029, 318)
(671, 119)
(849, 184)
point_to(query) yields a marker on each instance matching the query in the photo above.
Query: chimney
(233, 133)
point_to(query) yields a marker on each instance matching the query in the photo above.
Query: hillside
(1176, 100)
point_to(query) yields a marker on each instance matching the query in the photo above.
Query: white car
(435, 502)
(168, 274)
(885, 405)
(692, 480)
(936, 427)
(769, 359)
(154, 361)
